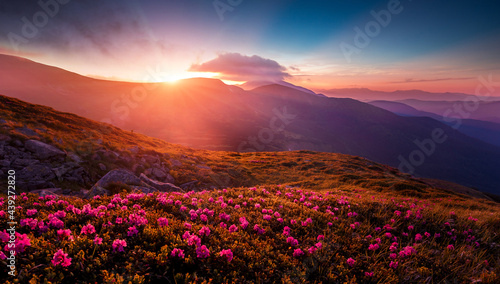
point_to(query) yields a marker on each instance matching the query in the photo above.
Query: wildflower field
(253, 235)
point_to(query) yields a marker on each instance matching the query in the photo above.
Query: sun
(175, 77)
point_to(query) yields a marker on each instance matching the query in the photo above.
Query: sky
(385, 45)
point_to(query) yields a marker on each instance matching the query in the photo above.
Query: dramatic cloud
(237, 67)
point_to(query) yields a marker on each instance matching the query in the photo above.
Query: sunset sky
(428, 45)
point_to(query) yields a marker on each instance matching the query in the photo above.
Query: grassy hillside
(212, 169)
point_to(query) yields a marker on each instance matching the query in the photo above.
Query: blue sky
(426, 40)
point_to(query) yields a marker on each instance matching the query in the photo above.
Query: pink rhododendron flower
(61, 258)
(224, 216)
(258, 229)
(233, 229)
(4, 236)
(132, 231)
(298, 252)
(393, 264)
(202, 252)
(118, 245)
(205, 231)
(244, 222)
(22, 241)
(373, 247)
(450, 247)
(369, 274)
(203, 218)
(227, 253)
(32, 223)
(88, 229)
(286, 231)
(293, 242)
(31, 212)
(64, 234)
(312, 250)
(162, 222)
(97, 240)
(178, 253)
(351, 262)
(194, 240)
(418, 237)
(56, 223)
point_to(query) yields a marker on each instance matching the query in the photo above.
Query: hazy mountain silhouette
(487, 110)
(363, 94)
(483, 130)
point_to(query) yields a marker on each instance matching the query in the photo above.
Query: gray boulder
(4, 163)
(75, 157)
(64, 169)
(43, 150)
(143, 189)
(47, 191)
(138, 168)
(158, 174)
(38, 172)
(169, 179)
(21, 163)
(175, 163)
(161, 186)
(5, 137)
(151, 159)
(118, 176)
(34, 185)
(96, 190)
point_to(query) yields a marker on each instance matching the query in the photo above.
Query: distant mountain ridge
(363, 94)
(486, 131)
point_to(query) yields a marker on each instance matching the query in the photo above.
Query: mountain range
(208, 114)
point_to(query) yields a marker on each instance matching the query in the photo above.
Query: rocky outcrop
(161, 186)
(118, 176)
(128, 178)
(43, 150)
(38, 165)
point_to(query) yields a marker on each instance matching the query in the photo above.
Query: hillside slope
(92, 149)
